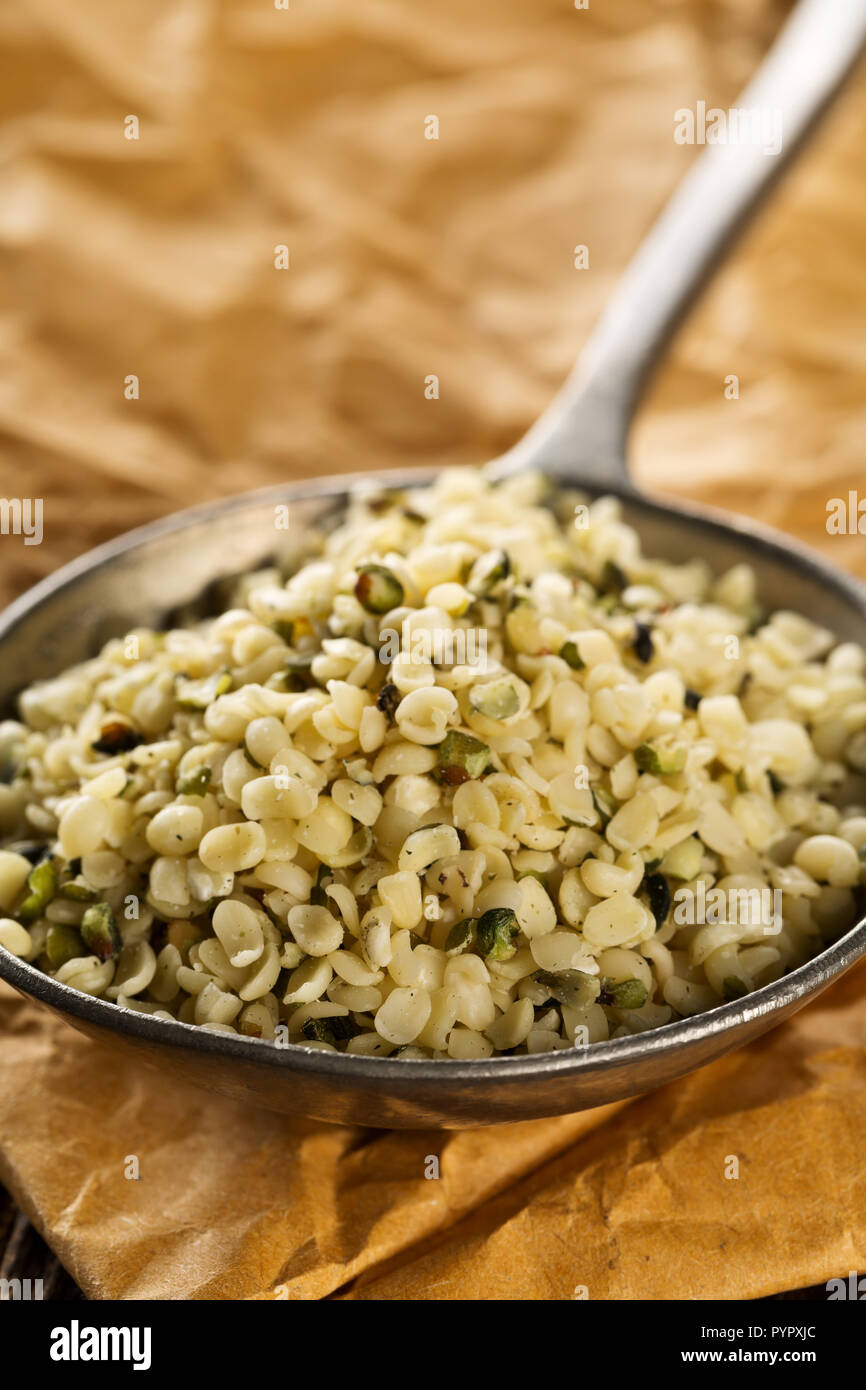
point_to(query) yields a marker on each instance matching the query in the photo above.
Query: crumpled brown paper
(409, 257)
(739, 1181)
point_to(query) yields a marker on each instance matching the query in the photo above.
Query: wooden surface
(24, 1255)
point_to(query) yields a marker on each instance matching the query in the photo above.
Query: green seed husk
(460, 758)
(572, 987)
(497, 700)
(195, 783)
(63, 943)
(605, 804)
(377, 589)
(329, 1030)
(460, 937)
(343, 1026)
(201, 694)
(253, 762)
(662, 762)
(613, 578)
(628, 994)
(42, 882)
(318, 1030)
(496, 931)
(99, 930)
(571, 656)
(77, 892)
(488, 571)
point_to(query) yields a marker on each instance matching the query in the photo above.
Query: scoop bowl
(143, 578)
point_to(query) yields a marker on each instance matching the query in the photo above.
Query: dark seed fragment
(387, 701)
(460, 937)
(571, 656)
(116, 736)
(613, 578)
(659, 895)
(643, 642)
(732, 988)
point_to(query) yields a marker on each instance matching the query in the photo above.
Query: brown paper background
(260, 127)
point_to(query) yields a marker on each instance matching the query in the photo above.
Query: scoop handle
(583, 433)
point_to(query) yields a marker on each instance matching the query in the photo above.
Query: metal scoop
(580, 440)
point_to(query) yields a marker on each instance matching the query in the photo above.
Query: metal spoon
(141, 577)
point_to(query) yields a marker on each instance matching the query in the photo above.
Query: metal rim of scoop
(781, 996)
